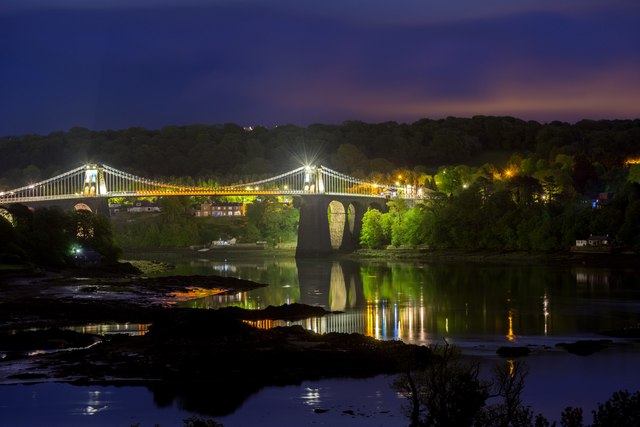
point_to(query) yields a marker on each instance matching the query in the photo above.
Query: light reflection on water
(475, 307)
(133, 329)
(424, 304)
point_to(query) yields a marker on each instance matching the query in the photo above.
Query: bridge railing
(99, 180)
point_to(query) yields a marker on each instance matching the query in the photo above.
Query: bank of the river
(186, 351)
(497, 257)
(404, 254)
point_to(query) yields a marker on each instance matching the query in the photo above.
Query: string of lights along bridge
(102, 181)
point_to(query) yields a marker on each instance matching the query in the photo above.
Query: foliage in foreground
(450, 393)
(47, 236)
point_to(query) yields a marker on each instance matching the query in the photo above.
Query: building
(144, 206)
(215, 208)
(595, 244)
(599, 241)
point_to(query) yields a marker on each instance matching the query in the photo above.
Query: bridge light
(286, 187)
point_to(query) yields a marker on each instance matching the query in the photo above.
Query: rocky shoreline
(187, 353)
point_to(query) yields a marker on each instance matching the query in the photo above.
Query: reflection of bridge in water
(330, 215)
(416, 304)
(371, 301)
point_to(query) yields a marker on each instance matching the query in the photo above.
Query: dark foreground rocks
(210, 361)
(585, 348)
(510, 351)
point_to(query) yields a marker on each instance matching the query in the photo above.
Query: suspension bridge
(102, 181)
(331, 209)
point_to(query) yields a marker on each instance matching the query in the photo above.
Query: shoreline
(425, 255)
(174, 358)
(498, 257)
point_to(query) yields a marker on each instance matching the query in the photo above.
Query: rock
(505, 351)
(585, 348)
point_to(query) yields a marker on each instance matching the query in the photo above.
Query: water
(477, 307)
(472, 305)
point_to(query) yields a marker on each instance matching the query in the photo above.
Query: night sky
(111, 64)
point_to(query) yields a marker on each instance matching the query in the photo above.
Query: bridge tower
(94, 182)
(331, 223)
(313, 182)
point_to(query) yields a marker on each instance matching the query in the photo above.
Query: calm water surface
(477, 307)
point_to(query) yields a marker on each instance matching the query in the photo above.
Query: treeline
(266, 220)
(507, 216)
(52, 237)
(229, 153)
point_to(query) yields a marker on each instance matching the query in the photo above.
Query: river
(477, 307)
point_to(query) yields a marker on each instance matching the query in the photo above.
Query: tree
(621, 410)
(448, 392)
(372, 234)
(349, 158)
(94, 230)
(507, 385)
(10, 252)
(272, 221)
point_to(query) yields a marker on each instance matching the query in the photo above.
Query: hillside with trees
(229, 153)
(497, 182)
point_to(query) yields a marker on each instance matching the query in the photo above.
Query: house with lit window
(144, 206)
(595, 244)
(215, 208)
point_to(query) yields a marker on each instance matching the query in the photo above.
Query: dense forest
(494, 182)
(229, 153)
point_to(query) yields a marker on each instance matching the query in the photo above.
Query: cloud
(609, 93)
(369, 11)
(279, 61)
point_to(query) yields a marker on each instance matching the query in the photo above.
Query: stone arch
(337, 221)
(351, 218)
(82, 207)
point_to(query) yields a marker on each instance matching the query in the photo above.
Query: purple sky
(110, 64)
